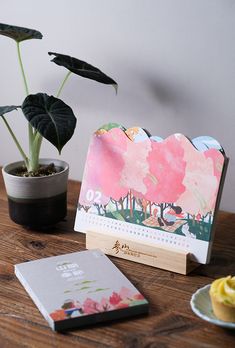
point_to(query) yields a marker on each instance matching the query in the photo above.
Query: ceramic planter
(37, 201)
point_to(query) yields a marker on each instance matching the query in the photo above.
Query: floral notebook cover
(80, 288)
(163, 191)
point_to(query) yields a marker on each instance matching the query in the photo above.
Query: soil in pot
(43, 170)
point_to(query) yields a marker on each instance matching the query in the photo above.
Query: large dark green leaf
(19, 33)
(7, 108)
(51, 117)
(82, 68)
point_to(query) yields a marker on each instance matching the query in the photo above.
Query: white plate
(201, 306)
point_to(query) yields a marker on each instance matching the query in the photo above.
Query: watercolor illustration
(72, 308)
(167, 184)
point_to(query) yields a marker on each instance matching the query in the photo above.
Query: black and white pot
(37, 202)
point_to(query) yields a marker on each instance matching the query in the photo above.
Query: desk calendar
(163, 192)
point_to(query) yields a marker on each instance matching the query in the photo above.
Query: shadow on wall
(169, 93)
(138, 92)
(143, 96)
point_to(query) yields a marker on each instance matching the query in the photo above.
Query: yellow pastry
(222, 293)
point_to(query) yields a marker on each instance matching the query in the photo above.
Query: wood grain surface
(170, 323)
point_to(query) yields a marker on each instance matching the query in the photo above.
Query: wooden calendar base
(157, 256)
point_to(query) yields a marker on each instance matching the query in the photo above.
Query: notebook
(80, 288)
(164, 192)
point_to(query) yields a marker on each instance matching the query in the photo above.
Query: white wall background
(174, 61)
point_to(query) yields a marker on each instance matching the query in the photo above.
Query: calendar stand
(156, 256)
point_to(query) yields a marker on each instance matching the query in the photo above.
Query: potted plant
(36, 187)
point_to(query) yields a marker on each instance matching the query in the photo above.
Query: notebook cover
(160, 191)
(80, 288)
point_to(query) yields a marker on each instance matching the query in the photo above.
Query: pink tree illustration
(135, 170)
(101, 180)
(164, 181)
(202, 178)
(218, 161)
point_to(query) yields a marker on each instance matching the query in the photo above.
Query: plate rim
(225, 324)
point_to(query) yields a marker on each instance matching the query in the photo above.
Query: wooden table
(170, 322)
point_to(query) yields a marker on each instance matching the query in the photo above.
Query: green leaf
(111, 125)
(88, 281)
(97, 290)
(85, 282)
(51, 117)
(7, 108)
(19, 33)
(82, 68)
(137, 302)
(84, 288)
(117, 215)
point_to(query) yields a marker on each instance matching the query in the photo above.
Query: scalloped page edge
(138, 134)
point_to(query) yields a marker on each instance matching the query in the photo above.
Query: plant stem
(16, 142)
(63, 83)
(38, 141)
(30, 128)
(34, 156)
(22, 69)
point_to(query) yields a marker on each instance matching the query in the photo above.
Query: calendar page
(162, 191)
